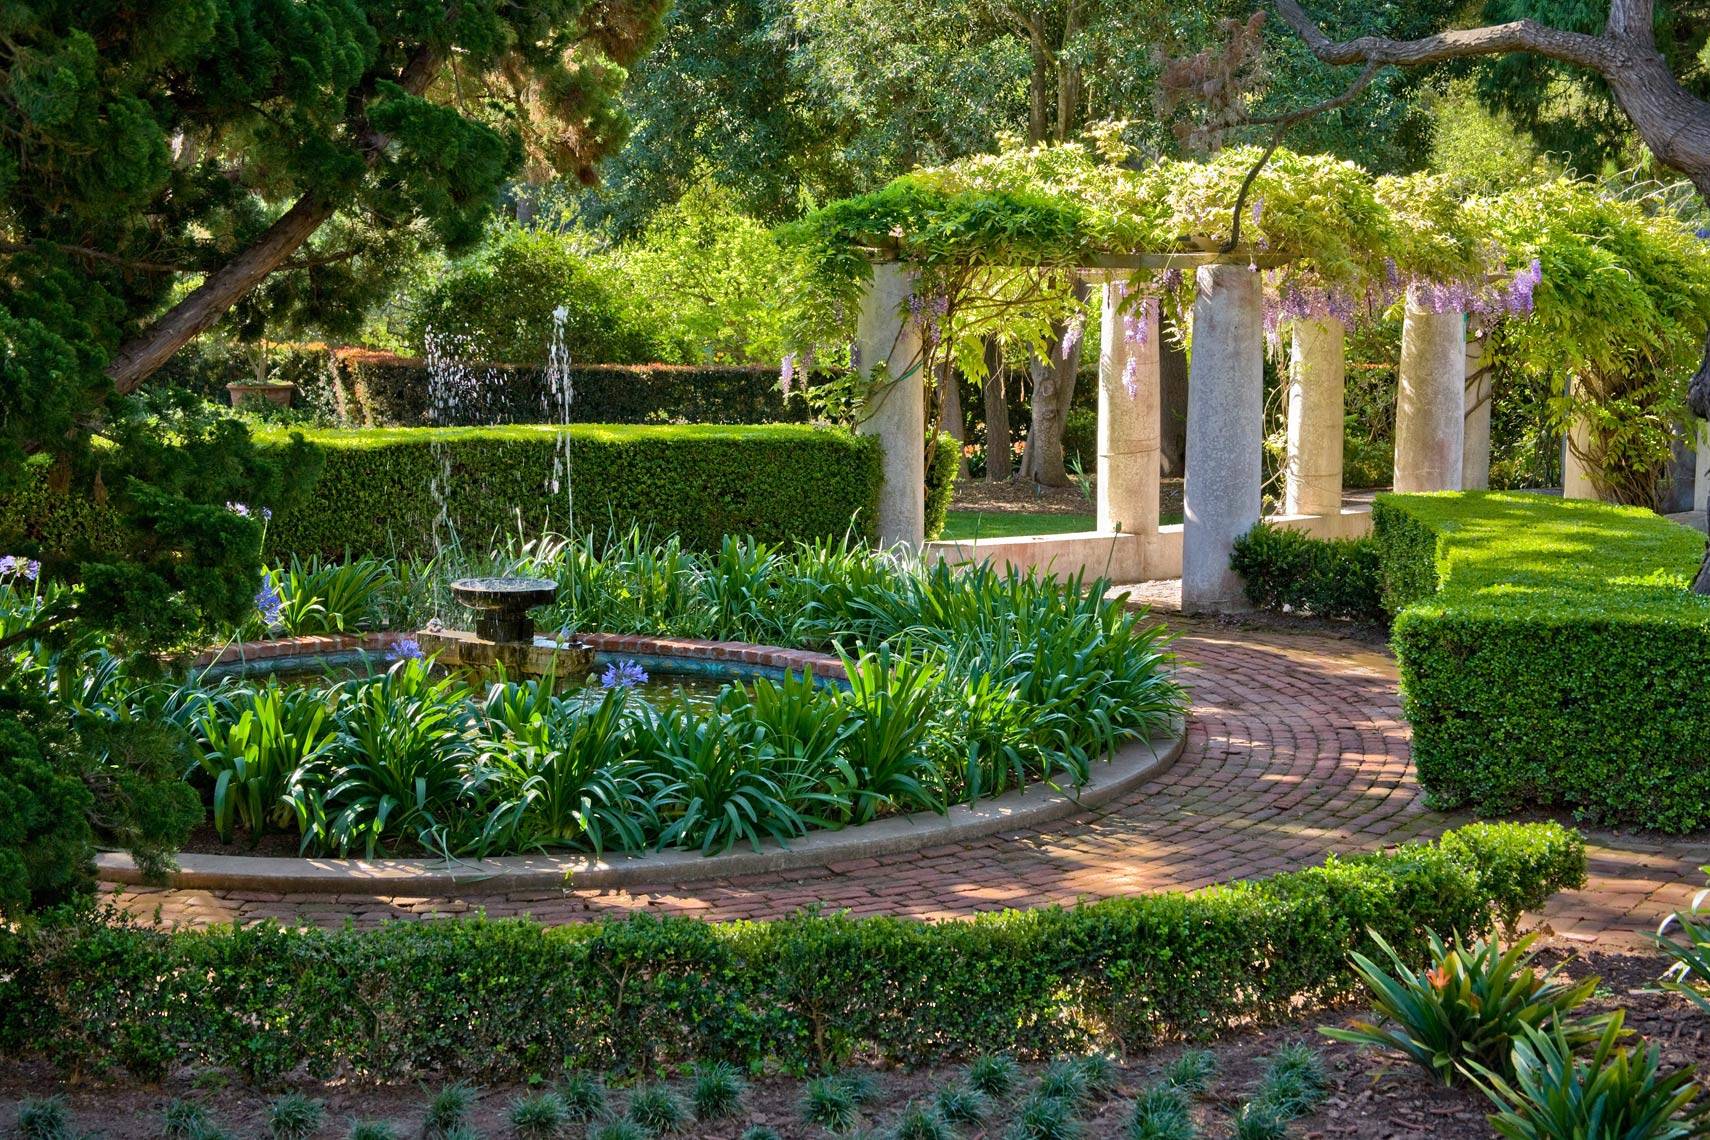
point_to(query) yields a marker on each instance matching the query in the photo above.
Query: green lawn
(1010, 524)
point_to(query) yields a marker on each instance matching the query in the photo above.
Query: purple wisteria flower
(623, 675)
(270, 604)
(1072, 335)
(1131, 378)
(405, 649)
(26, 568)
(787, 374)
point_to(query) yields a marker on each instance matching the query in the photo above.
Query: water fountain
(503, 638)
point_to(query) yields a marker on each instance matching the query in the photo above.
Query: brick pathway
(1296, 747)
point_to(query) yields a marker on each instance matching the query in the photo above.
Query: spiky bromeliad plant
(1468, 1007)
(1689, 952)
(1553, 1093)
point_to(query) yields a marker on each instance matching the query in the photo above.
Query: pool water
(662, 687)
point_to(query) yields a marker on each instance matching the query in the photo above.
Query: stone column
(1312, 472)
(1226, 377)
(1701, 485)
(1475, 458)
(1576, 476)
(896, 413)
(1128, 393)
(1430, 418)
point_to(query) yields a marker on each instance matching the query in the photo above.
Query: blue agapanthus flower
(271, 605)
(623, 675)
(405, 649)
(11, 565)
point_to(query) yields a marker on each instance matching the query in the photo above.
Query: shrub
(1192, 1071)
(1295, 1082)
(501, 300)
(295, 1116)
(1551, 655)
(583, 1095)
(1285, 569)
(375, 494)
(1521, 866)
(830, 1103)
(961, 1104)
(1468, 1009)
(942, 460)
(1046, 1118)
(1161, 1113)
(184, 1120)
(656, 1108)
(488, 999)
(44, 1118)
(717, 1090)
(995, 1076)
(919, 1122)
(1555, 1094)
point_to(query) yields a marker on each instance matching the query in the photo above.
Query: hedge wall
(488, 1000)
(375, 493)
(1551, 655)
(360, 388)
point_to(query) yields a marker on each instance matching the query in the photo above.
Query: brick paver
(1296, 747)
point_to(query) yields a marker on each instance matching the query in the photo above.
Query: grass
(964, 525)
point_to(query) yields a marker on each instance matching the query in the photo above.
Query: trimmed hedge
(1285, 569)
(376, 389)
(375, 493)
(361, 388)
(494, 999)
(941, 464)
(1551, 655)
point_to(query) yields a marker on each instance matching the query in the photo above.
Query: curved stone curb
(1132, 765)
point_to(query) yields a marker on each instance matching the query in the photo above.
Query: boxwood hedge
(490, 999)
(376, 490)
(1551, 654)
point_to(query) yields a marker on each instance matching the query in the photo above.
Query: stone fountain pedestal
(503, 639)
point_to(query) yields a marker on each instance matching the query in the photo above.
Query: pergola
(1442, 426)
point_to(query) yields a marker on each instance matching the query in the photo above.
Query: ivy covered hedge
(494, 999)
(375, 493)
(1551, 655)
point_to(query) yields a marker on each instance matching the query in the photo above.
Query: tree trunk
(951, 417)
(1172, 403)
(1053, 391)
(1037, 111)
(999, 462)
(142, 355)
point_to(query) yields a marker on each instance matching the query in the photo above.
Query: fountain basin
(566, 660)
(501, 605)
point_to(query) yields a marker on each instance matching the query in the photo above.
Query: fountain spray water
(559, 394)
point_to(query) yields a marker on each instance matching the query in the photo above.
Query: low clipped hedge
(492, 999)
(375, 493)
(1551, 655)
(941, 464)
(1284, 569)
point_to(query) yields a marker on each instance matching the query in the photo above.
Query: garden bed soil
(1372, 1097)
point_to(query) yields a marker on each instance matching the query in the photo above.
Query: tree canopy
(167, 159)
